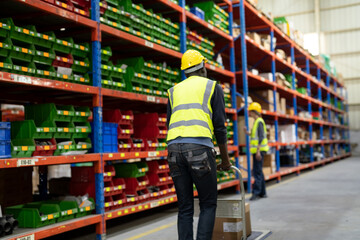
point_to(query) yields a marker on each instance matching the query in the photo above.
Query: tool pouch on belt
(199, 163)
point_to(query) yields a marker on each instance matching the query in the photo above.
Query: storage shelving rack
(20, 89)
(247, 50)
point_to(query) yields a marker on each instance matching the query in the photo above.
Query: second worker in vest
(258, 148)
(196, 111)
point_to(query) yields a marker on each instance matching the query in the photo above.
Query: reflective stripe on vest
(191, 113)
(254, 141)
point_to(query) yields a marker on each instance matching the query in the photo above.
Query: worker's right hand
(245, 129)
(224, 166)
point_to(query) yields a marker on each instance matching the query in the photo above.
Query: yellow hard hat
(190, 59)
(254, 106)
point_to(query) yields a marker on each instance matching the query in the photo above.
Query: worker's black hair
(259, 114)
(201, 72)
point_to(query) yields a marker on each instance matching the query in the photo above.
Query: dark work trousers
(194, 164)
(258, 187)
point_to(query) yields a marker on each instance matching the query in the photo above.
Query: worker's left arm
(260, 133)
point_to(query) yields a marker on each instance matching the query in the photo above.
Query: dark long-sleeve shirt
(218, 118)
(260, 132)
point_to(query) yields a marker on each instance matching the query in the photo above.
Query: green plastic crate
(35, 215)
(5, 27)
(67, 209)
(114, 3)
(64, 148)
(44, 71)
(5, 47)
(64, 77)
(137, 63)
(81, 79)
(117, 72)
(111, 13)
(63, 45)
(45, 40)
(6, 64)
(210, 9)
(81, 114)
(83, 144)
(106, 68)
(128, 170)
(45, 58)
(81, 66)
(27, 69)
(302, 90)
(107, 83)
(118, 84)
(23, 53)
(106, 54)
(28, 129)
(81, 50)
(82, 129)
(49, 112)
(83, 211)
(21, 148)
(64, 130)
(25, 34)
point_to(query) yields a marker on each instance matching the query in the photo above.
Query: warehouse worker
(196, 111)
(258, 147)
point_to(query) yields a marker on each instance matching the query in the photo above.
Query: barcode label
(25, 162)
(152, 154)
(210, 26)
(150, 99)
(29, 237)
(22, 79)
(154, 204)
(149, 44)
(212, 67)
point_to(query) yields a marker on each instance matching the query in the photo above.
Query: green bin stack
(144, 23)
(81, 65)
(112, 76)
(215, 15)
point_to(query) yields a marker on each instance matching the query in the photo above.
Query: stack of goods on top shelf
(83, 182)
(125, 130)
(160, 183)
(288, 28)
(43, 213)
(214, 15)
(81, 7)
(25, 51)
(151, 128)
(263, 40)
(148, 77)
(112, 76)
(136, 181)
(204, 46)
(134, 19)
(50, 129)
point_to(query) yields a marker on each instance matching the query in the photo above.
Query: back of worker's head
(193, 64)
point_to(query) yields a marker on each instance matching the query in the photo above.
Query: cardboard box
(231, 228)
(241, 124)
(254, 36)
(240, 101)
(282, 106)
(271, 133)
(265, 99)
(287, 133)
(290, 111)
(244, 164)
(280, 53)
(268, 76)
(267, 171)
(269, 162)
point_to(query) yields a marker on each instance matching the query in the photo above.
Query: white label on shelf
(262, 79)
(149, 44)
(29, 237)
(152, 154)
(150, 99)
(26, 162)
(210, 26)
(154, 204)
(212, 67)
(22, 79)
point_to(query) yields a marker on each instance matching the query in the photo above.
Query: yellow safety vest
(191, 112)
(254, 140)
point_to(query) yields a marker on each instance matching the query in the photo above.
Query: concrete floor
(320, 204)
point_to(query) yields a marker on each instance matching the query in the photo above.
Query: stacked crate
(136, 181)
(111, 76)
(203, 45)
(25, 51)
(215, 15)
(134, 19)
(5, 137)
(51, 130)
(81, 7)
(148, 77)
(223, 176)
(160, 183)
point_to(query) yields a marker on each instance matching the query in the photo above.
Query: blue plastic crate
(110, 148)
(109, 138)
(198, 12)
(5, 149)
(5, 131)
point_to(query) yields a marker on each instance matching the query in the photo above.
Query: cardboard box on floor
(241, 125)
(231, 228)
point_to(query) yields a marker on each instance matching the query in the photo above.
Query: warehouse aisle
(321, 204)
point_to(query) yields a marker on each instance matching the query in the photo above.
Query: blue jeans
(258, 187)
(193, 163)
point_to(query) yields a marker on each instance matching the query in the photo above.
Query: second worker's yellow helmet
(254, 106)
(190, 59)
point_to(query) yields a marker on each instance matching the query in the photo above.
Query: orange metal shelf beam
(57, 228)
(133, 96)
(156, 203)
(46, 83)
(132, 155)
(278, 144)
(50, 160)
(46, 7)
